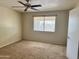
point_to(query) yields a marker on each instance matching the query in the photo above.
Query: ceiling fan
(28, 5)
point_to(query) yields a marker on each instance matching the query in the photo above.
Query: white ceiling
(47, 5)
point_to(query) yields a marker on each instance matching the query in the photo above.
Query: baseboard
(8, 43)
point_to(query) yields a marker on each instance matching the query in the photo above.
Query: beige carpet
(32, 50)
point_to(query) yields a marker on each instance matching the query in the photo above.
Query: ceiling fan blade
(26, 9)
(36, 6)
(21, 3)
(17, 6)
(27, 0)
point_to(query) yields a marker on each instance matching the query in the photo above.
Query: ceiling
(47, 5)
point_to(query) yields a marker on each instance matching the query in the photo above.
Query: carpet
(33, 50)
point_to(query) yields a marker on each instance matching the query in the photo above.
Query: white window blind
(44, 23)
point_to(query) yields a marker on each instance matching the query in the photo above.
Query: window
(44, 23)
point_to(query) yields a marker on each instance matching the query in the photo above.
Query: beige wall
(58, 37)
(10, 26)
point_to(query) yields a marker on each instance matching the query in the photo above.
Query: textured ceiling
(47, 5)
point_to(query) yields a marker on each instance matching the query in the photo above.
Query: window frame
(43, 16)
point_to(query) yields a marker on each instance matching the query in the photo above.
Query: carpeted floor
(32, 50)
